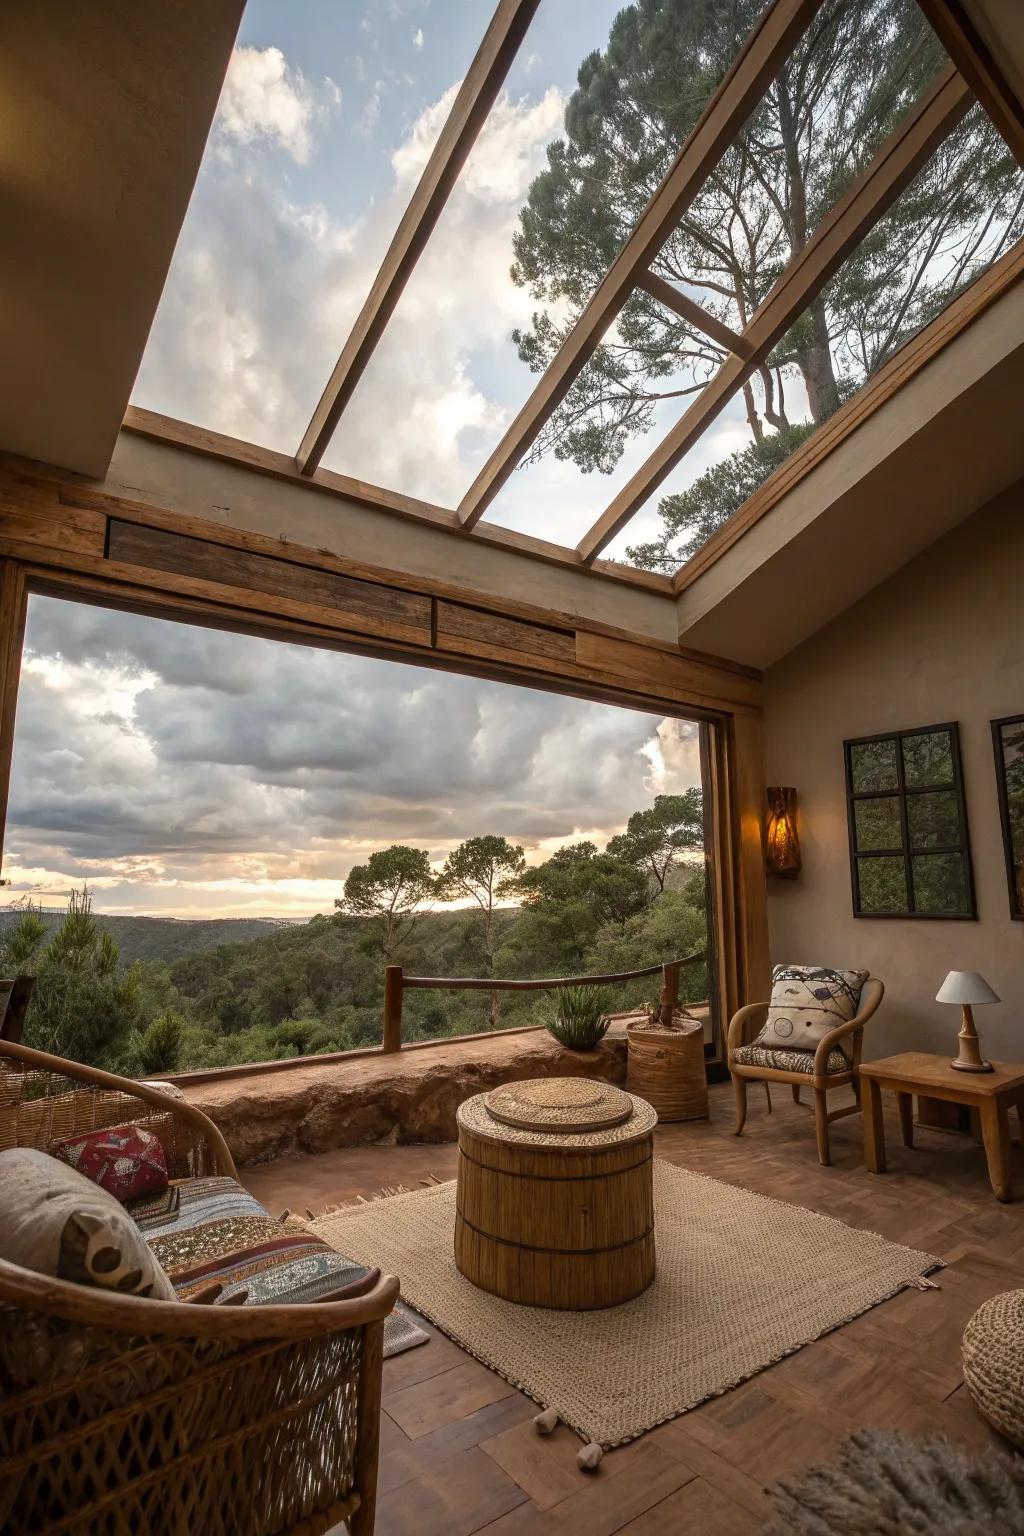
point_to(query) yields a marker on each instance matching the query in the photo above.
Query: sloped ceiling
(106, 108)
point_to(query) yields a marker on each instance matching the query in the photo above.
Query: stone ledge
(410, 1096)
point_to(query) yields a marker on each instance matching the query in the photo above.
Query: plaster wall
(942, 639)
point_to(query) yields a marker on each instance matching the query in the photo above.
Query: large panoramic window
(216, 844)
(908, 825)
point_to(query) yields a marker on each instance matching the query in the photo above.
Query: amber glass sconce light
(781, 844)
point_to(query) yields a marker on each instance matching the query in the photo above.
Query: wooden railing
(397, 983)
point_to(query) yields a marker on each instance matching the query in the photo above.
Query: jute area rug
(742, 1280)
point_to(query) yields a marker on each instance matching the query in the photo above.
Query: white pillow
(808, 1001)
(57, 1222)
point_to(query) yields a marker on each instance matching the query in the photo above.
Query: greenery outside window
(909, 853)
(1008, 739)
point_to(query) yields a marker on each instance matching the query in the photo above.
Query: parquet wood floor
(459, 1455)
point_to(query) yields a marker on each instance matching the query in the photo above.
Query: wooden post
(368, 1414)
(669, 991)
(392, 1040)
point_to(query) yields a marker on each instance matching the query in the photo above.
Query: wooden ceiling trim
(879, 184)
(281, 466)
(898, 371)
(751, 73)
(961, 40)
(479, 90)
(693, 313)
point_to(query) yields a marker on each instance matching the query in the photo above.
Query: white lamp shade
(966, 987)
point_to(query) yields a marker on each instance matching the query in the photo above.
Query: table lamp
(967, 988)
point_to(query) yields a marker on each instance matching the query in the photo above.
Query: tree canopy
(854, 74)
(390, 889)
(654, 839)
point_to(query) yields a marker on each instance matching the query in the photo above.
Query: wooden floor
(458, 1451)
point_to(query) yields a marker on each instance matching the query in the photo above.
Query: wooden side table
(992, 1094)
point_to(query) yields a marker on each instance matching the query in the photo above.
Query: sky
(328, 114)
(186, 773)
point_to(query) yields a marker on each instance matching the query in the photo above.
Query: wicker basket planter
(556, 1218)
(666, 1065)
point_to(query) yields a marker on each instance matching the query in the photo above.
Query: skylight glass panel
(298, 197)
(960, 214)
(454, 363)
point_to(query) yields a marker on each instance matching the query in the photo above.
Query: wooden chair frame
(819, 1080)
(243, 1440)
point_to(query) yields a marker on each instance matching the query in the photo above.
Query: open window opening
(219, 846)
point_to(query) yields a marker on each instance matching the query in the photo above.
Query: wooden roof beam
(753, 70)
(693, 313)
(972, 57)
(894, 166)
(477, 95)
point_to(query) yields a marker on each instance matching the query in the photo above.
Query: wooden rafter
(722, 119)
(958, 35)
(879, 184)
(693, 313)
(477, 95)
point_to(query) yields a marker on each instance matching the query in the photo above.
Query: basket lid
(569, 1104)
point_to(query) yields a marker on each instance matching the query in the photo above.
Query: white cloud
(263, 292)
(184, 771)
(417, 38)
(267, 99)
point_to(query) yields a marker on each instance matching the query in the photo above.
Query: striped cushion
(208, 1231)
(786, 1061)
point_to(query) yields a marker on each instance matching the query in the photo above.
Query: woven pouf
(555, 1193)
(993, 1361)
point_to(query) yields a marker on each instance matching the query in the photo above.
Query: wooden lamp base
(970, 1058)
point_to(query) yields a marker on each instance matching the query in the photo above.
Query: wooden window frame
(973, 71)
(901, 793)
(1016, 905)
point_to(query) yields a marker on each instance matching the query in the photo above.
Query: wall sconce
(781, 843)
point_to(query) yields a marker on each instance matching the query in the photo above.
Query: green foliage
(20, 945)
(690, 517)
(391, 890)
(850, 79)
(654, 839)
(85, 1005)
(158, 1047)
(575, 1018)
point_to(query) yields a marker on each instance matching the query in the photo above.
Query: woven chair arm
(93, 1078)
(871, 995)
(739, 1021)
(140, 1317)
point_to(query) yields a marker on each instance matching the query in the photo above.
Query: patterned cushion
(57, 1222)
(807, 1002)
(211, 1231)
(125, 1160)
(757, 1055)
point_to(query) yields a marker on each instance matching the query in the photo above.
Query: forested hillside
(160, 938)
(318, 986)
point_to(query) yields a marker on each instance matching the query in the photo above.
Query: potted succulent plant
(575, 1017)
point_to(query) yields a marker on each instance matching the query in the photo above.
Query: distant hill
(167, 938)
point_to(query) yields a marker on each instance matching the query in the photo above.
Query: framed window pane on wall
(909, 854)
(1008, 740)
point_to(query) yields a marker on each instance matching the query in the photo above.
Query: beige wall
(943, 639)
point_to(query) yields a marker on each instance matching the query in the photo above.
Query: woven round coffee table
(555, 1203)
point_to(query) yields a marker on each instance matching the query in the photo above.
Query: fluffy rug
(888, 1484)
(742, 1281)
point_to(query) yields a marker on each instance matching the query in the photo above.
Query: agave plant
(576, 1018)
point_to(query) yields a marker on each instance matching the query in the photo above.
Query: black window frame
(906, 851)
(1016, 906)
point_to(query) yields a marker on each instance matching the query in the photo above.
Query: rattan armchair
(121, 1415)
(848, 1038)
